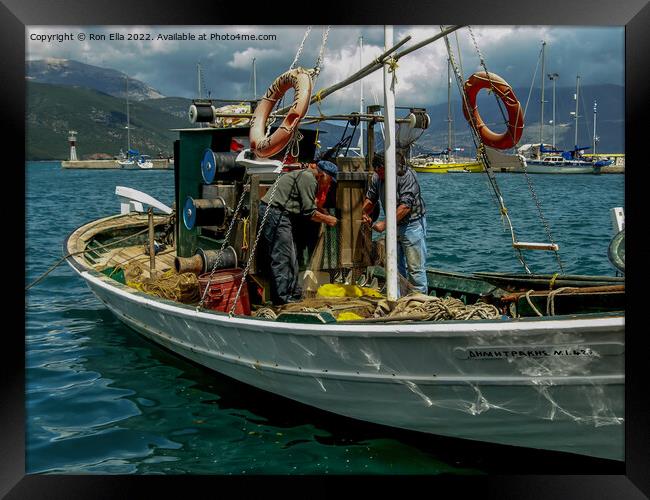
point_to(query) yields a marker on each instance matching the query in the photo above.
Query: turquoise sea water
(100, 399)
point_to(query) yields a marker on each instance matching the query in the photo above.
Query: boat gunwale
(413, 328)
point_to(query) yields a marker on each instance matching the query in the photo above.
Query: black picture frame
(633, 14)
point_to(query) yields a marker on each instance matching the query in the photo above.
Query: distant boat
(444, 161)
(546, 158)
(542, 160)
(133, 160)
(432, 165)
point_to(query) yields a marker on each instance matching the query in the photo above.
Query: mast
(254, 81)
(361, 107)
(390, 179)
(198, 79)
(577, 94)
(541, 123)
(553, 77)
(449, 109)
(594, 149)
(128, 119)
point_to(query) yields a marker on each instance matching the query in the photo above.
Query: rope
(550, 301)
(265, 312)
(530, 303)
(530, 91)
(58, 263)
(392, 68)
(244, 244)
(435, 309)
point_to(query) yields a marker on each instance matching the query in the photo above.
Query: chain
(319, 61)
(528, 180)
(291, 146)
(302, 45)
(254, 247)
(478, 51)
(223, 246)
(481, 153)
(272, 119)
(547, 228)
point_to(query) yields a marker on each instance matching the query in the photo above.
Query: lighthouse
(72, 139)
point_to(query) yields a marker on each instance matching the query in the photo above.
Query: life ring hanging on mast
(264, 146)
(481, 80)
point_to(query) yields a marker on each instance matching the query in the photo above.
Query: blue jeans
(412, 253)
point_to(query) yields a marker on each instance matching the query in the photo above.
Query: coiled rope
(436, 309)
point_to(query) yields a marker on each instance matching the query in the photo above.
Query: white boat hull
(533, 168)
(431, 377)
(132, 165)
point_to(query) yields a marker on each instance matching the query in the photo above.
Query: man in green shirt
(294, 203)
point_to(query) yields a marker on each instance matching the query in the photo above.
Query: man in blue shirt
(411, 220)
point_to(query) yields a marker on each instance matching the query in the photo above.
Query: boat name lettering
(521, 352)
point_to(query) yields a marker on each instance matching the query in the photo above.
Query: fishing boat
(530, 360)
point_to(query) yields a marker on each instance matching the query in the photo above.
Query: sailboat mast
(553, 77)
(594, 148)
(198, 79)
(449, 109)
(576, 114)
(361, 108)
(254, 81)
(390, 178)
(128, 119)
(541, 122)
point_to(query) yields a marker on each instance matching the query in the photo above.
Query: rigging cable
(482, 153)
(528, 180)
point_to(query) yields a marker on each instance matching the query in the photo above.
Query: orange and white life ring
(511, 136)
(264, 146)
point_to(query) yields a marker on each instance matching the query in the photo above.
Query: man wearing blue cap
(410, 216)
(299, 197)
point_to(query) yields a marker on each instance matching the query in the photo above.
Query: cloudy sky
(596, 53)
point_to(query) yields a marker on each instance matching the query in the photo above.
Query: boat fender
(265, 146)
(481, 80)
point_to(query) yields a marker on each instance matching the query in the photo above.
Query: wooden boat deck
(86, 244)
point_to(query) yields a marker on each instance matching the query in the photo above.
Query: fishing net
(170, 285)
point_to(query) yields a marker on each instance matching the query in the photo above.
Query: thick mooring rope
(436, 309)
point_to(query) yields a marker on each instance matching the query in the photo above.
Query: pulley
(354, 119)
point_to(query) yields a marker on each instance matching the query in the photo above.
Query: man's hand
(380, 226)
(330, 220)
(319, 217)
(365, 218)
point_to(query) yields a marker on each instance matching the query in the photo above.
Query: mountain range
(65, 95)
